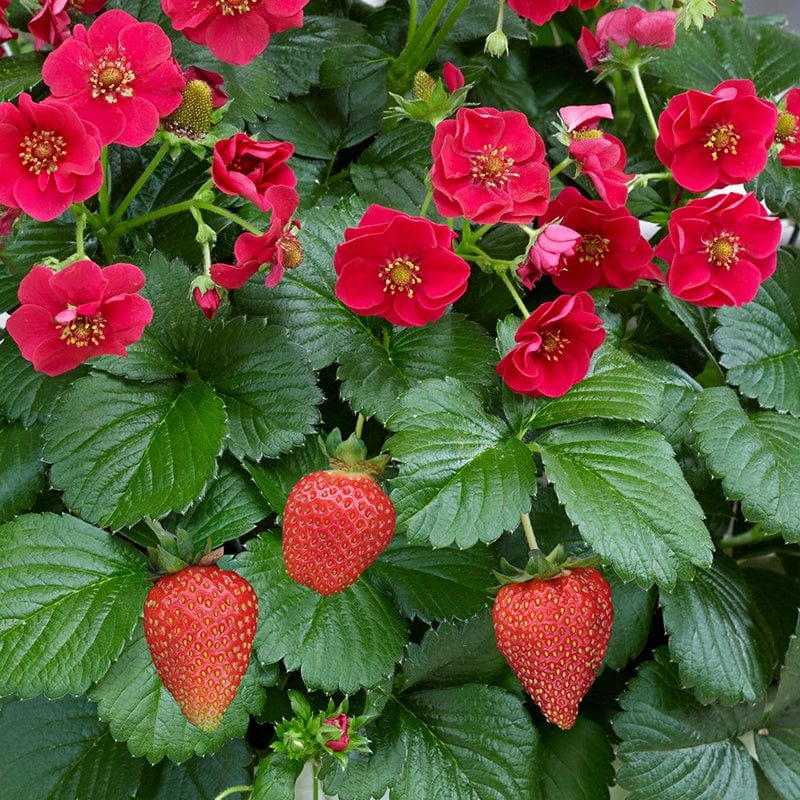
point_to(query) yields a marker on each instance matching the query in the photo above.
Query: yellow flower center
(787, 128)
(111, 75)
(585, 133)
(723, 250)
(82, 331)
(553, 344)
(231, 7)
(42, 150)
(592, 247)
(492, 167)
(722, 140)
(400, 275)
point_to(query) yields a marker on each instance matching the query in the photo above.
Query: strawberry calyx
(544, 567)
(350, 454)
(176, 551)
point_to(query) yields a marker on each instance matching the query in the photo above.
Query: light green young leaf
(342, 642)
(674, 748)
(732, 660)
(152, 450)
(462, 476)
(66, 612)
(58, 750)
(623, 488)
(760, 341)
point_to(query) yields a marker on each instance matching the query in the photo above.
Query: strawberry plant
(456, 344)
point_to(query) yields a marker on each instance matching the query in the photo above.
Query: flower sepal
(435, 106)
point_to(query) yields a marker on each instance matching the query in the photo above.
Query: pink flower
(541, 11)
(80, 312)
(548, 253)
(555, 345)
(399, 267)
(720, 249)
(787, 130)
(248, 168)
(49, 157)
(119, 75)
(599, 155)
(276, 249)
(489, 166)
(654, 29)
(611, 250)
(341, 722)
(6, 33)
(452, 76)
(50, 24)
(235, 31)
(86, 6)
(715, 139)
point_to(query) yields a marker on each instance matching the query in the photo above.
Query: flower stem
(528, 530)
(233, 790)
(446, 27)
(423, 212)
(560, 167)
(413, 15)
(637, 81)
(105, 186)
(359, 425)
(754, 536)
(315, 778)
(80, 228)
(514, 294)
(137, 186)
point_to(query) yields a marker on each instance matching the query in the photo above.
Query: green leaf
(576, 763)
(434, 584)
(8, 288)
(680, 393)
(732, 660)
(392, 169)
(58, 750)
(27, 395)
(304, 302)
(374, 377)
(760, 341)
(31, 239)
(699, 321)
(462, 476)
(21, 468)
(270, 394)
(455, 653)
(308, 630)
(66, 612)
(623, 488)
(19, 73)
(674, 748)
(141, 712)
(248, 86)
(633, 617)
(757, 457)
(276, 777)
(730, 48)
(778, 187)
(153, 447)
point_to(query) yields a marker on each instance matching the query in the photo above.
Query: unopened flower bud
(496, 44)
(422, 86)
(341, 722)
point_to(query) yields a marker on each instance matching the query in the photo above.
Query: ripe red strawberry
(554, 634)
(335, 524)
(199, 625)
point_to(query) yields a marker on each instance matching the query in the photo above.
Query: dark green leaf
(373, 377)
(269, 391)
(21, 468)
(463, 477)
(153, 449)
(141, 712)
(249, 87)
(276, 777)
(674, 748)
(31, 241)
(646, 522)
(732, 660)
(8, 288)
(308, 630)
(19, 73)
(633, 617)
(66, 612)
(760, 341)
(778, 187)
(57, 750)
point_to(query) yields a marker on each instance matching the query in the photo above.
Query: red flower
(787, 130)
(118, 75)
(452, 76)
(715, 139)
(720, 249)
(6, 33)
(489, 166)
(277, 248)
(555, 345)
(548, 253)
(599, 155)
(541, 11)
(242, 166)
(625, 25)
(235, 31)
(50, 24)
(399, 267)
(80, 312)
(87, 6)
(49, 157)
(611, 250)
(341, 722)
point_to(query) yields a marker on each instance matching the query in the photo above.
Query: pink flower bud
(452, 76)
(341, 722)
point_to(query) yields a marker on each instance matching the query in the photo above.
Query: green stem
(80, 228)
(528, 530)
(754, 536)
(481, 232)
(233, 790)
(413, 15)
(315, 778)
(560, 167)
(137, 186)
(515, 294)
(410, 58)
(105, 187)
(637, 81)
(359, 429)
(446, 27)
(423, 212)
